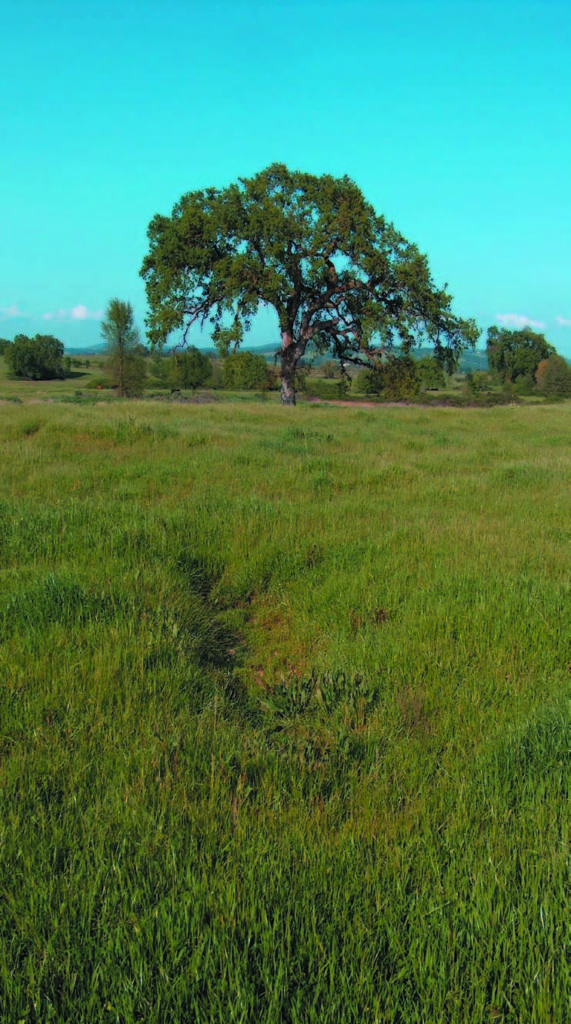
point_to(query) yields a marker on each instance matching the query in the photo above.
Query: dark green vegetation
(339, 277)
(514, 356)
(247, 371)
(553, 377)
(125, 363)
(38, 358)
(285, 714)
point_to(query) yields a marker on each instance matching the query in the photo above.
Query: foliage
(4, 344)
(514, 354)
(430, 374)
(125, 365)
(553, 377)
(339, 277)
(38, 358)
(247, 371)
(395, 379)
(326, 390)
(524, 385)
(189, 368)
(330, 369)
(478, 382)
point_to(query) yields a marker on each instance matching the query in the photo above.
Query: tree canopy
(516, 354)
(125, 362)
(337, 274)
(37, 358)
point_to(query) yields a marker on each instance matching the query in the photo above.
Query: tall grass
(284, 714)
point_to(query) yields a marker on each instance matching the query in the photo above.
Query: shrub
(394, 380)
(189, 368)
(478, 383)
(554, 377)
(430, 374)
(246, 371)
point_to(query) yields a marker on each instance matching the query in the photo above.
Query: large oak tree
(338, 275)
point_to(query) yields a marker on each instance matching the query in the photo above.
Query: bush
(326, 390)
(97, 383)
(246, 371)
(478, 383)
(525, 386)
(189, 368)
(554, 377)
(395, 380)
(330, 369)
(430, 374)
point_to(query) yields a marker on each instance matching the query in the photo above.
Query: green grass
(284, 714)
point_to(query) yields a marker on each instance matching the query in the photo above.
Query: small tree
(125, 366)
(340, 278)
(554, 377)
(38, 358)
(189, 368)
(246, 371)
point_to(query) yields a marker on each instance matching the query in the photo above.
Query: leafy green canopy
(516, 354)
(246, 371)
(38, 358)
(337, 275)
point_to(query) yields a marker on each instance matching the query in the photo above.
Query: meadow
(285, 713)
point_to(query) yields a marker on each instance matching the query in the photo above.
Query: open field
(284, 714)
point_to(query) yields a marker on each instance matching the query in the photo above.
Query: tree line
(342, 280)
(522, 362)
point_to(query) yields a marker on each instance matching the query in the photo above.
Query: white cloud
(562, 321)
(6, 312)
(82, 313)
(518, 320)
(78, 312)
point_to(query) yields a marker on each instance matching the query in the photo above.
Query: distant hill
(469, 361)
(94, 350)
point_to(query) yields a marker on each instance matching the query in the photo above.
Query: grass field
(285, 713)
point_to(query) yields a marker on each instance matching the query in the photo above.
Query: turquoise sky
(453, 117)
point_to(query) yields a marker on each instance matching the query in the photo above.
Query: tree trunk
(289, 362)
(288, 389)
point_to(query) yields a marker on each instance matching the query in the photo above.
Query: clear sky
(453, 117)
